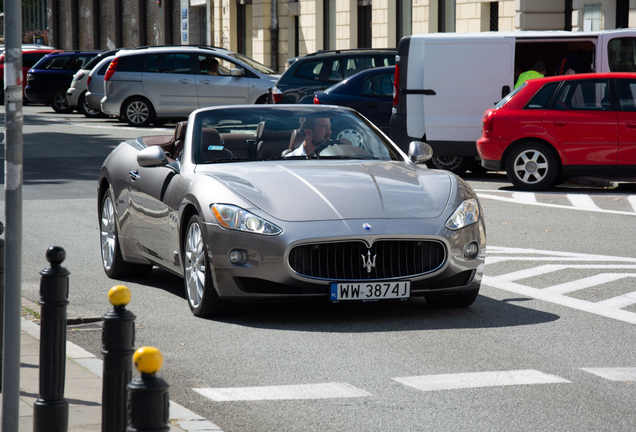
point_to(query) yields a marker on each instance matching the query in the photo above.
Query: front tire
(59, 102)
(200, 292)
(458, 300)
(532, 166)
(112, 261)
(138, 112)
(455, 164)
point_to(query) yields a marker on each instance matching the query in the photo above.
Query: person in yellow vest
(537, 71)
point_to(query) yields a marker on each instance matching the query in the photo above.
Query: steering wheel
(324, 145)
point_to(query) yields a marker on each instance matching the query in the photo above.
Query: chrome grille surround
(345, 260)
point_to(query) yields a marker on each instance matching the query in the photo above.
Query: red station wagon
(552, 128)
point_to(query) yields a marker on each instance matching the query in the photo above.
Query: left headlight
(233, 217)
(466, 214)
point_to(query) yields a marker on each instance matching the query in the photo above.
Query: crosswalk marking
(614, 374)
(619, 301)
(303, 391)
(525, 197)
(587, 282)
(479, 379)
(632, 201)
(583, 201)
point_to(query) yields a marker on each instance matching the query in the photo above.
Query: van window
(621, 54)
(541, 99)
(176, 63)
(310, 70)
(588, 95)
(626, 93)
(133, 63)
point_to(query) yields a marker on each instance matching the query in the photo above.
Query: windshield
(253, 64)
(274, 132)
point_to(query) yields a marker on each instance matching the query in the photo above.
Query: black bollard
(148, 402)
(270, 95)
(1, 301)
(50, 410)
(118, 346)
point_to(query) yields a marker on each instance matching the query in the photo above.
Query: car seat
(273, 138)
(212, 146)
(179, 137)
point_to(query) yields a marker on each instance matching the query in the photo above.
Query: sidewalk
(83, 388)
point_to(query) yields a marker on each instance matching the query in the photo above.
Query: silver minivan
(156, 84)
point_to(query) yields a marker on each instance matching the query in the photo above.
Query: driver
(316, 131)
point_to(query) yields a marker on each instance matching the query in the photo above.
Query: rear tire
(112, 261)
(138, 112)
(199, 286)
(532, 167)
(455, 164)
(457, 300)
(59, 102)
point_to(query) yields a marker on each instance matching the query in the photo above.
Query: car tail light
(316, 101)
(88, 80)
(487, 121)
(396, 86)
(277, 94)
(111, 69)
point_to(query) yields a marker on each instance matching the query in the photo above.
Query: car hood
(316, 190)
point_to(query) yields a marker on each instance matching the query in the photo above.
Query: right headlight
(466, 214)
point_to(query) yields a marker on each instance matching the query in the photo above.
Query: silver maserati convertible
(286, 202)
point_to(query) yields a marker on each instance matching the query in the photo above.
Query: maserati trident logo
(368, 262)
(366, 227)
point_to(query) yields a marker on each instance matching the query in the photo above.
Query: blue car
(48, 79)
(369, 92)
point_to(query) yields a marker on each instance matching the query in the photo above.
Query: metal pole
(13, 213)
(1, 298)
(50, 410)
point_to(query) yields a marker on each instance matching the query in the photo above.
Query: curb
(178, 415)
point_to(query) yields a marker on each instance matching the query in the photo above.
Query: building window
(446, 15)
(404, 18)
(592, 17)
(494, 16)
(364, 23)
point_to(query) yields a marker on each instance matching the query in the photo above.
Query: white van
(445, 81)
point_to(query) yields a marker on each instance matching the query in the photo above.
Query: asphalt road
(548, 345)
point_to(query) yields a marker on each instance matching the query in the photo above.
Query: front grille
(346, 260)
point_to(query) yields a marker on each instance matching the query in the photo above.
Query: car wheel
(200, 292)
(59, 102)
(83, 108)
(455, 164)
(532, 166)
(112, 260)
(138, 112)
(457, 300)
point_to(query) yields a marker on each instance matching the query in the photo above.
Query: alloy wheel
(137, 112)
(108, 233)
(194, 265)
(531, 166)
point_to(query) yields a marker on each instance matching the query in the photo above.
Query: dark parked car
(49, 79)
(369, 92)
(552, 128)
(218, 204)
(30, 56)
(322, 69)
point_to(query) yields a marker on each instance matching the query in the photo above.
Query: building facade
(272, 31)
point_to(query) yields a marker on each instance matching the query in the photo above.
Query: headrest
(180, 130)
(210, 137)
(296, 139)
(272, 130)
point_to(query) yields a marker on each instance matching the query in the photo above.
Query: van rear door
(467, 75)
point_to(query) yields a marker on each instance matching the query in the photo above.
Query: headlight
(466, 214)
(232, 217)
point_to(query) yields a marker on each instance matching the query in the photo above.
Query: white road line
(632, 201)
(479, 379)
(305, 391)
(554, 255)
(531, 272)
(583, 201)
(619, 301)
(540, 204)
(614, 374)
(525, 197)
(587, 282)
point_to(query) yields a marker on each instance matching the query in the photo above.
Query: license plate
(370, 290)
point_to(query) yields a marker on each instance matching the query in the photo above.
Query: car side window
(213, 65)
(29, 60)
(541, 99)
(174, 63)
(626, 94)
(388, 60)
(378, 85)
(57, 63)
(621, 54)
(353, 65)
(134, 63)
(78, 62)
(585, 95)
(103, 69)
(310, 70)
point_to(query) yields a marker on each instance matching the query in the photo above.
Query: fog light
(237, 257)
(471, 250)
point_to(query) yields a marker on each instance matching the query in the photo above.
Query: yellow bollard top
(119, 295)
(148, 360)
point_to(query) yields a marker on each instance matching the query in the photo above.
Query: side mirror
(236, 72)
(152, 156)
(420, 152)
